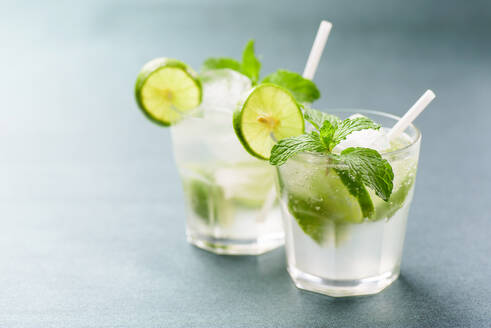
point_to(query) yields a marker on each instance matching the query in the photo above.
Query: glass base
(225, 246)
(342, 288)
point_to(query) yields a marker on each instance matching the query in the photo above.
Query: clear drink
(230, 196)
(331, 248)
(231, 199)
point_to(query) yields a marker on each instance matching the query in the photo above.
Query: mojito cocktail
(338, 242)
(231, 201)
(345, 186)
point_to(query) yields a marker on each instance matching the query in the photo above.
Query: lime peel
(269, 113)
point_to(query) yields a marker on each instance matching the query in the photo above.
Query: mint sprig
(357, 167)
(327, 132)
(288, 147)
(250, 65)
(317, 118)
(329, 135)
(302, 89)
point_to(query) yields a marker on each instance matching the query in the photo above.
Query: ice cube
(368, 138)
(224, 88)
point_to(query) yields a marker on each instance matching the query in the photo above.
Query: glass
(231, 200)
(331, 248)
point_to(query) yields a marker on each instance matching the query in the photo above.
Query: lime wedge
(165, 89)
(270, 113)
(320, 193)
(396, 200)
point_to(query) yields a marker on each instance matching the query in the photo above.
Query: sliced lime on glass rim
(165, 89)
(269, 113)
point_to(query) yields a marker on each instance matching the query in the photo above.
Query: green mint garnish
(368, 166)
(327, 132)
(332, 133)
(302, 89)
(250, 65)
(220, 63)
(288, 147)
(359, 168)
(317, 118)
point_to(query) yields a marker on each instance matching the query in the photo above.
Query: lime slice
(386, 210)
(165, 89)
(270, 113)
(322, 194)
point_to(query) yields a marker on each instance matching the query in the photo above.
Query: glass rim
(413, 142)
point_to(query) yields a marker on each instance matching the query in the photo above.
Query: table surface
(91, 209)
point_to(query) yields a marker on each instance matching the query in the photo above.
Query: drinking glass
(331, 248)
(231, 201)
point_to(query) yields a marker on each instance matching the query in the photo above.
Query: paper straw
(309, 72)
(411, 114)
(317, 49)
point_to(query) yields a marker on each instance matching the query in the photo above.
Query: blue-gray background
(91, 211)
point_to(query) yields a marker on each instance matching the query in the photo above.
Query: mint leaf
(317, 118)
(348, 126)
(302, 89)
(220, 63)
(250, 65)
(367, 166)
(288, 147)
(357, 189)
(326, 133)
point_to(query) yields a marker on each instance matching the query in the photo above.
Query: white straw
(317, 49)
(309, 72)
(411, 114)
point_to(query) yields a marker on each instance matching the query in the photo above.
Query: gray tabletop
(91, 210)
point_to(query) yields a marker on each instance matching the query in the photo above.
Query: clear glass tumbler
(331, 248)
(232, 205)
